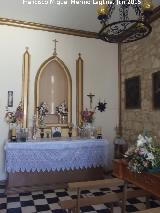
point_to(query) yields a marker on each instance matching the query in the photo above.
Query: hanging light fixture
(124, 20)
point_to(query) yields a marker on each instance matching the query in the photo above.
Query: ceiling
(74, 16)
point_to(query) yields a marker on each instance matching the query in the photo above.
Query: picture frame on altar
(133, 93)
(10, 99)
(156, 89)
(56, 132)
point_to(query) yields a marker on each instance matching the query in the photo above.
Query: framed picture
(10, 98)
(156, 89)
(132, 93)
(56, 132)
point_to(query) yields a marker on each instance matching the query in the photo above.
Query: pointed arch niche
(53, 85)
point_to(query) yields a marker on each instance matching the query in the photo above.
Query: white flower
(148, 139)
(62, 109)
(130, 151)
(141, 141)
(142, 151)
(150, 156)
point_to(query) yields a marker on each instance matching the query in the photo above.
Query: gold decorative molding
(36, 89)
(79, 89)
(25, 86)
(82, 33)
(49, 28)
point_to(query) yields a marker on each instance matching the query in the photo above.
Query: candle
(13, 132)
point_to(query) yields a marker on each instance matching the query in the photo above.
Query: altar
(47, 161)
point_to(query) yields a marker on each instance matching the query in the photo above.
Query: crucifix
(90, 95)
(55, 47)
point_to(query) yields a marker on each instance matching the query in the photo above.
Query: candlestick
(14, 132)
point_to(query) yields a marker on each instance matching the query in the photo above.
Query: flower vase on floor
(154, 170)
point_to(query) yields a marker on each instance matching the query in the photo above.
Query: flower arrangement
(19, 113)
(42, 112)
(88, 115)
(62, 109)
(144, 155)
(10, 117)
(15, 117)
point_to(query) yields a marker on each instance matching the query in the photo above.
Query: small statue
(99, 133)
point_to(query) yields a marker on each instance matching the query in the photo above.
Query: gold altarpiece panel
(63, 85)
(53, 85)
(25, 86)
(79, 89)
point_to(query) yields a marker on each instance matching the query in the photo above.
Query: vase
(64, 118)
(89, 130)
(153, 170)
(23, 134)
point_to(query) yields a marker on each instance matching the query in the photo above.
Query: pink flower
(87, 116)
(142, 151)
(15, 117)
(145, 164)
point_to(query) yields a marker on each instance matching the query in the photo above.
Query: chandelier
(124, 20)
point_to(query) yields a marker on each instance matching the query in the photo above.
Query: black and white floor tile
(46, 201)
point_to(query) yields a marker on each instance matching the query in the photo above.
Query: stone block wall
(141, 58)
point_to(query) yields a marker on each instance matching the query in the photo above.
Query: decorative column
(25, 86)
(79, 89)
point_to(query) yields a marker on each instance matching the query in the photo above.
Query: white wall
(100, 73)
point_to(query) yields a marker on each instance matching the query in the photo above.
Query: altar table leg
(124, 196)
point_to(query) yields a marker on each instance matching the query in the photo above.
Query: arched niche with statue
(53, 85)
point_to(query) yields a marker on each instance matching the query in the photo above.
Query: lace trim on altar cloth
(56, 156)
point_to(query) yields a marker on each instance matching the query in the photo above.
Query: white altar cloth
(56, 155)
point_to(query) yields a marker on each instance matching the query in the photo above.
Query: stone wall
(141, 58)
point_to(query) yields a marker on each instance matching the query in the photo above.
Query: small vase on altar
(23, 134)
(89, 130)
(88, 118)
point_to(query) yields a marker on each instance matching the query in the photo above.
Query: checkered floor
(46, 201)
